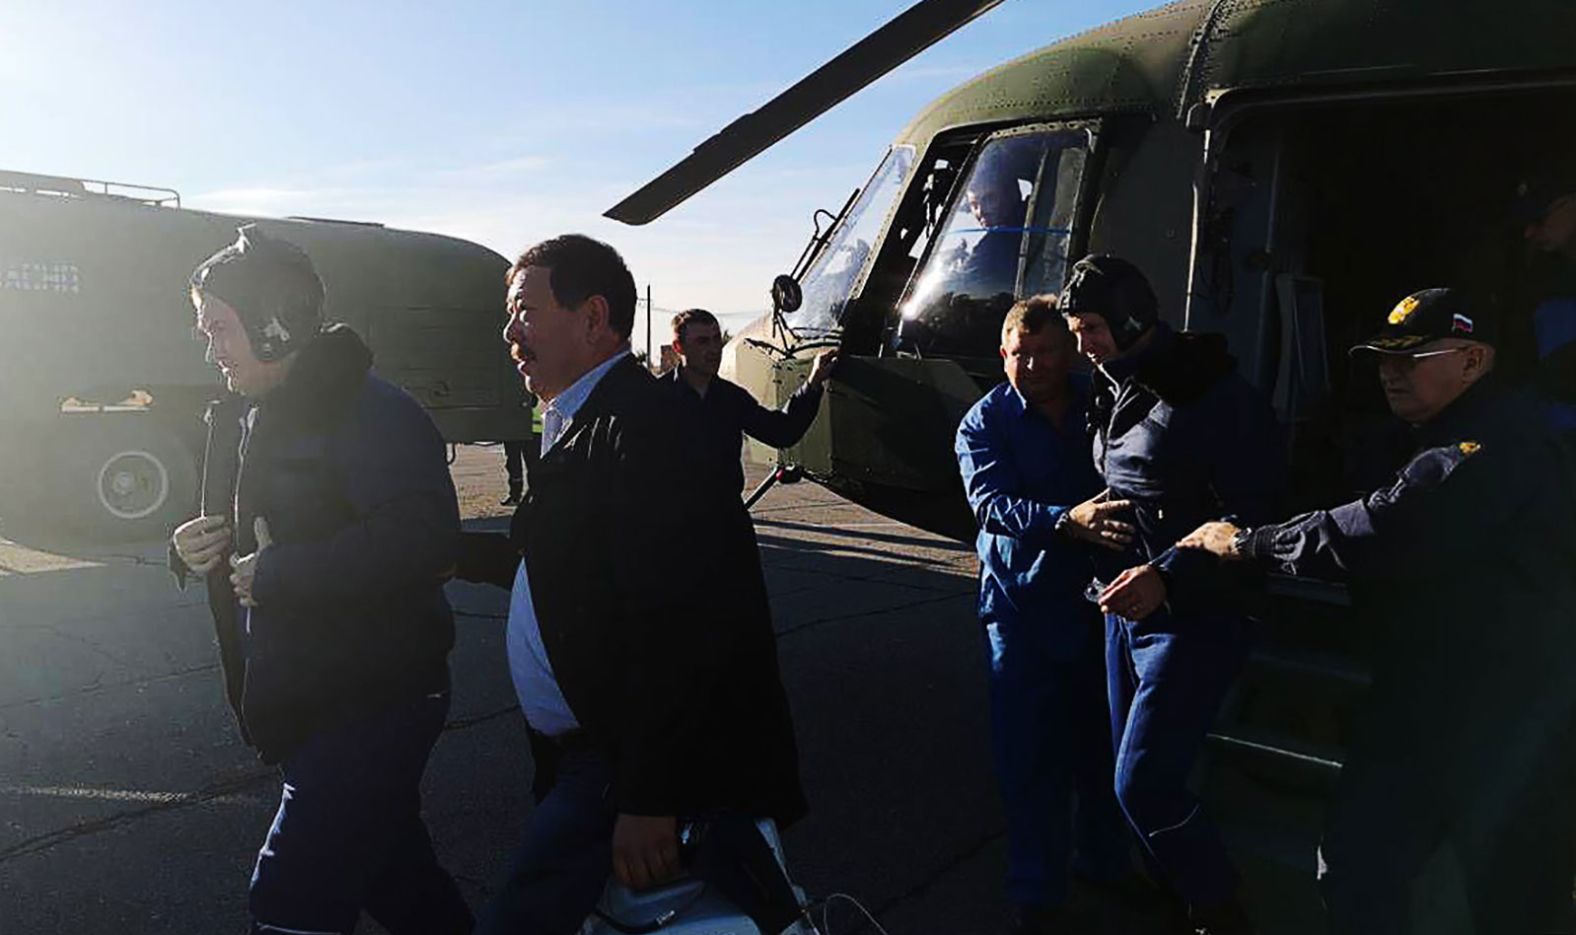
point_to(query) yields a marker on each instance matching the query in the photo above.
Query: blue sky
(502, 123)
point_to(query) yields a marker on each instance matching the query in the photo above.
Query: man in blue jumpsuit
(1180, 434)
(1455, 800)
(1025, 465)
(1546, 208)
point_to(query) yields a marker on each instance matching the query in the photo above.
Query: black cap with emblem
(1428, 316)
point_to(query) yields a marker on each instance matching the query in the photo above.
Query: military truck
(103, 382)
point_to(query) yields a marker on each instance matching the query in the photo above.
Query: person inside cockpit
(990, 265)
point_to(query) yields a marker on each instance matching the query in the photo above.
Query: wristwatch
(1240, 542)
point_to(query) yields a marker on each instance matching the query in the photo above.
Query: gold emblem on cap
(1469, 448)
(1403, 311)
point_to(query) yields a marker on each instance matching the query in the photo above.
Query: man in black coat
(727, 411)
(1454, 808)
(329, 523)
(647, 673)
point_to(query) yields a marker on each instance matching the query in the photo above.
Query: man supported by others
(1025, 463)
(647, 674)
(1457, 787)
(328, 491)
(1180, 434)
(728, 411)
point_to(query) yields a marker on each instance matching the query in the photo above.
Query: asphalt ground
(129, 805)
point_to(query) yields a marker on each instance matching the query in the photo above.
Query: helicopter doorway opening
(1314, 220)
(1320, 217)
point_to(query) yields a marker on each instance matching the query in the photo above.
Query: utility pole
(650, 354)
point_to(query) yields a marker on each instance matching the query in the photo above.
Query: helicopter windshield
(831, 278)
(1007, 237)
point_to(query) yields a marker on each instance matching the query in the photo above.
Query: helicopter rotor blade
(908, 34)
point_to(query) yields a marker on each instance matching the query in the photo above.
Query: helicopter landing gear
(783, 474)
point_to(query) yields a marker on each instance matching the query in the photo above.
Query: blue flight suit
(1043, 640)
(1456, 792)
(1554, 327)
(1183, 436)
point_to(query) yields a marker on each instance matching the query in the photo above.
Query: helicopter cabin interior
(1321, 215)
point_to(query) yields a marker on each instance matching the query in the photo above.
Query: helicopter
(1282, 172)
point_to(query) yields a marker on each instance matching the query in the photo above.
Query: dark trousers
(1405, 852)
(518, 460)
(349, 836)
(1050, 738)
(514, 463)
(559, 870)
(1167, 679)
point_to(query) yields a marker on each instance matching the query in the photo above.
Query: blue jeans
(349, 836)
(1167, 678)
(559, 870)
(1049, 738)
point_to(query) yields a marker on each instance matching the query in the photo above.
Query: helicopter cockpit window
(1007, 237)
(831, 278)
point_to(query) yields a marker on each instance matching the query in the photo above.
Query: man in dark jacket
(727, 411)
(1454, 808)
(1186, 439)
(647, 673)
(329, 522)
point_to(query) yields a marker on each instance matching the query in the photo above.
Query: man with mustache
(1460, 772)
(647, 673)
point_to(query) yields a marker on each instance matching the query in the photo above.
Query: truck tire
(128, 477)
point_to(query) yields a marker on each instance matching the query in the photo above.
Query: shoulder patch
(1433, 466)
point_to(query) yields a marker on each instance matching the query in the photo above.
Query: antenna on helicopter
(908, 34)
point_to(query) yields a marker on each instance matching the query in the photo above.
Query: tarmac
(128, 803)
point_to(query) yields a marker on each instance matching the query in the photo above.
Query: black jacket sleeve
(780, 428)
(1440, 508)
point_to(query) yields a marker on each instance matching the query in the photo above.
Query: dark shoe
(1227, 918)
(512, 500)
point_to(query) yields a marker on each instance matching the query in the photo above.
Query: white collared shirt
(534, 682)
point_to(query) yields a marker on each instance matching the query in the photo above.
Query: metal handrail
(65, 186)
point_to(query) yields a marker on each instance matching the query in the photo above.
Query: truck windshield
(1006, 237)
(831, 278)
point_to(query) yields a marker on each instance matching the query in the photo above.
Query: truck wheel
(131, 480)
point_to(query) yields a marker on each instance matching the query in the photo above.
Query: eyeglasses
(1408, 361)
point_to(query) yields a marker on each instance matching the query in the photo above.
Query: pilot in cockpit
(989, 265)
